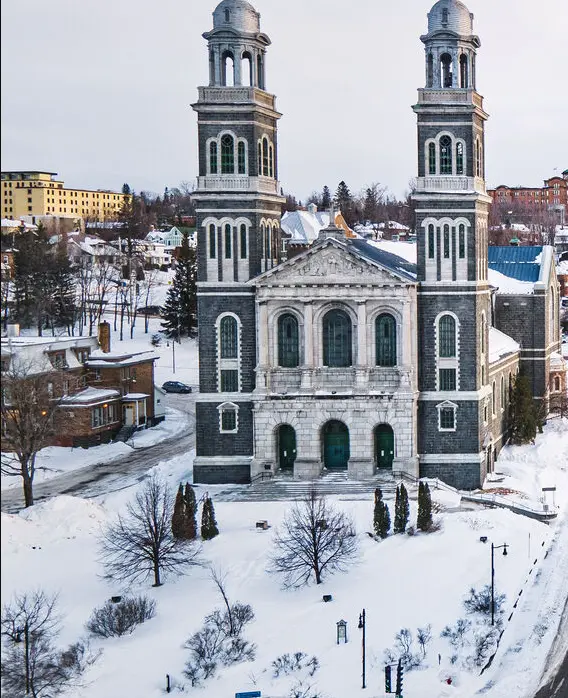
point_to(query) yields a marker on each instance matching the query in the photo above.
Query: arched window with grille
(445, 155)
(385, 340)
(288, 341)
(461, 241)
(265, 156)
(213, 157)
(447, 337)
(228, 241)
(229, 338)
(243, 240)
(227, 154)
(259, 164)
(337, 339)
(241, 157)
(432, 158)
(431, 242)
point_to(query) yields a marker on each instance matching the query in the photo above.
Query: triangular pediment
(330, 263)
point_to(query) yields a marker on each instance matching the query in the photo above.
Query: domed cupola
(238, 15)
(450, 15)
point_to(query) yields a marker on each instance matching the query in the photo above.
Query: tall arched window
(265, 157)
(385, 340)
(445, 155)
(464, 78)
(227, 154)
(271, 161)
(430, 71)
(337, 332)
(246, 69)
(432, 158)
(259, 159)
(212, 241)
(243, 241)
(213, 157)
(288, 342)
(228, 241)
(447, 69)
(459, 158)
(228, 69)
(446, 241)
(242, 158)
(447, 337)
(502, 392)
(431, 241)
(229, 338)
(461, 241)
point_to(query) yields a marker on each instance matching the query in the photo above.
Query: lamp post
(361, 626)
(493, 549)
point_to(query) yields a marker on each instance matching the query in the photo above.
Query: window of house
(58, 359)
(227, 154)
(385, 340)
(228, 418)
(447, 416)
(337, 339)
(445, 155)
(97, 374)
(447, 379)
(102, 415)
(229, 338)
(82, 355)
(288, 341)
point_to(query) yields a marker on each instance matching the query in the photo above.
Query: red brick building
(99, 392)
(552, 196)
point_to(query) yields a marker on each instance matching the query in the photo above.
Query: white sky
(99, 90)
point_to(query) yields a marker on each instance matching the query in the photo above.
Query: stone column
(263, 353)
(217, 59)
(237, 63)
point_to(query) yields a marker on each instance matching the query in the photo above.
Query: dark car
(176, 387)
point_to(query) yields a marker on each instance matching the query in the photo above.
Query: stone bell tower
(452, 205)
(238, 206)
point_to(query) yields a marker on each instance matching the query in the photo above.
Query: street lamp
(361, 626)
(493, 549)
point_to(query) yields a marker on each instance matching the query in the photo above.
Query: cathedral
(346, 357)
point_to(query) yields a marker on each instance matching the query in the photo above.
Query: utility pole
(362, 620)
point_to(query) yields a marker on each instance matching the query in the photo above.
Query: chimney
(13, 330)
(104, 337)
(312, 208)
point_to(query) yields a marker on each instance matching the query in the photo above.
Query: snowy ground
(402, 582)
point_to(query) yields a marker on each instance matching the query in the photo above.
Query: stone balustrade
(232, 182)
(282, 381)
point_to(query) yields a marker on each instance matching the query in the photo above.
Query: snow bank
(509, 286)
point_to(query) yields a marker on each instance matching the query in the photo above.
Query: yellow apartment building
(42, 194)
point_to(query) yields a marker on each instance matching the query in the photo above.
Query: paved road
(100, 479)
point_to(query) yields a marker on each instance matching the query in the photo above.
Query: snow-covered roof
(393, 225)
(557, 362)
(406, 250)
(508, 286)
(135, 396)
(304, 226)
(501, 345)
(90, 396)
(99, 359)
(10, 223)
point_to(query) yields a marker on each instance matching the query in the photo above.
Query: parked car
(176, 387)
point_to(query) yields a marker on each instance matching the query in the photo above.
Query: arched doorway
(335, 445)
(384, 447)
(286, 442)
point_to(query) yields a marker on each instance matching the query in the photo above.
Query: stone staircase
(283, 488)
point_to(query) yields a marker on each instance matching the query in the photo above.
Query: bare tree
(140, 544)
(31, 664)
(28, 406)
(315, 538)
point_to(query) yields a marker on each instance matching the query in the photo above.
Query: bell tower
(238, 206)
(452, 206)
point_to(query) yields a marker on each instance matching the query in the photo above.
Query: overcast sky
(99, 90)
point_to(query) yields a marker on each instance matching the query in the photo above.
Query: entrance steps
(282, 488)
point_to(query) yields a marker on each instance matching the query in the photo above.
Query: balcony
(281, 381)
(450, 184)
(450, 96)
(240, 183)
(230, 95)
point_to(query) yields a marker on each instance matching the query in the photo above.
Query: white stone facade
(332, 275)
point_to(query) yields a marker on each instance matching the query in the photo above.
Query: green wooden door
(335, 446)
(286, 447)
(384, 446)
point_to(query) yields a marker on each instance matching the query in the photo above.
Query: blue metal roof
(386, 259)
(521, 263)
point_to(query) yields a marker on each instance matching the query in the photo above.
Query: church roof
(386, 259)
(236, 14)
(450, 15)
(520, 263)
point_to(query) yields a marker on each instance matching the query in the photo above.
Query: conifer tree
(344, 200)
(524, 417)
(178, 517)
(180, 309)
(325, 198)
(401, 509)
(381, 518)
(208, 523)
(424, 520)
(190, 512)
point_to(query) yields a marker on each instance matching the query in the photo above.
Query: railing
(450, 183)
(403, 475)
(236, 94)
(261, 477)
(450, 96)
(286, 380)
(231, 182)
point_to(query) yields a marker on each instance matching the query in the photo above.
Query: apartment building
(35, 193)
(552, 196)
